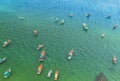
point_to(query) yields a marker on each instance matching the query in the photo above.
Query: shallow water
(92, 53)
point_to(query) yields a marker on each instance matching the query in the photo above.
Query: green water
(92, 53)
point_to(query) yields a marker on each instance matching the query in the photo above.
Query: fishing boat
(21, 18)
(56, 75)
(114, 59)
(85, 27)
(88, 15)
(56, 20)
(40, 69)
(71, 15)
(71, 53)
(108, 17)
(62, 22)
(6, 43)
(114, 27)
(40, 46)
(7, 73)
(102, 35)
(42, 55)
(35, 32)
(3, 60)
(49, 73)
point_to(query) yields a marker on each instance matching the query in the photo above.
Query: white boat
(71, 15)
(85, 27)
(21, 18)
(71, 53)
(49, 73)
(3, 60)
(7, 73)
(62, 22)
(114, 59)
(56, 20)
(102, 35)
(6, 43)
(35, 32)
(40, 46)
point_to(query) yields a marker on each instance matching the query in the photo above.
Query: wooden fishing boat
(7, 73)
(71, 15)
(56, 75)
(108, 17)
(21, 18)
(88, 15)
(56, 20)
(85, 27)
(102, 35)
(62, 22)
(35, 32)
(6, 43)
(40, 46)
(71, 53)
(114, 59)
(49, 73)
(42, 55)
(3, 60)
(114, 27)
(40, 69)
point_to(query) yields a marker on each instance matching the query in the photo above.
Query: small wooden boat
(35, 32)
(6, 43)
(114, 59)
(42, 55)
(40, 69)
(56, 20)
(114, 27)
(49, 73)
(88, 15)
(21, 18)
(40, 46)
(108, 17)
(62, 22)
(102, 35)
(7, 73)
(56, 75)
(85, 27)
(71, 53)
(71, 15)
(3, 60)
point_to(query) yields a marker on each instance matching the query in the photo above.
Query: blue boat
(3, 60)
(7, 73)
(42, 55)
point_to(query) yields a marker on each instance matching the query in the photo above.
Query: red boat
(40, 69)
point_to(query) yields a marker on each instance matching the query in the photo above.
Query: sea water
(93, 54)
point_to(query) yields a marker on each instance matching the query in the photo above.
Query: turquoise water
(92, 54)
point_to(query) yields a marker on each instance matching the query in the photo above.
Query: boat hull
(56, 75)
(40, 69)
(6, 43)
(7, 73)
(3, 60)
